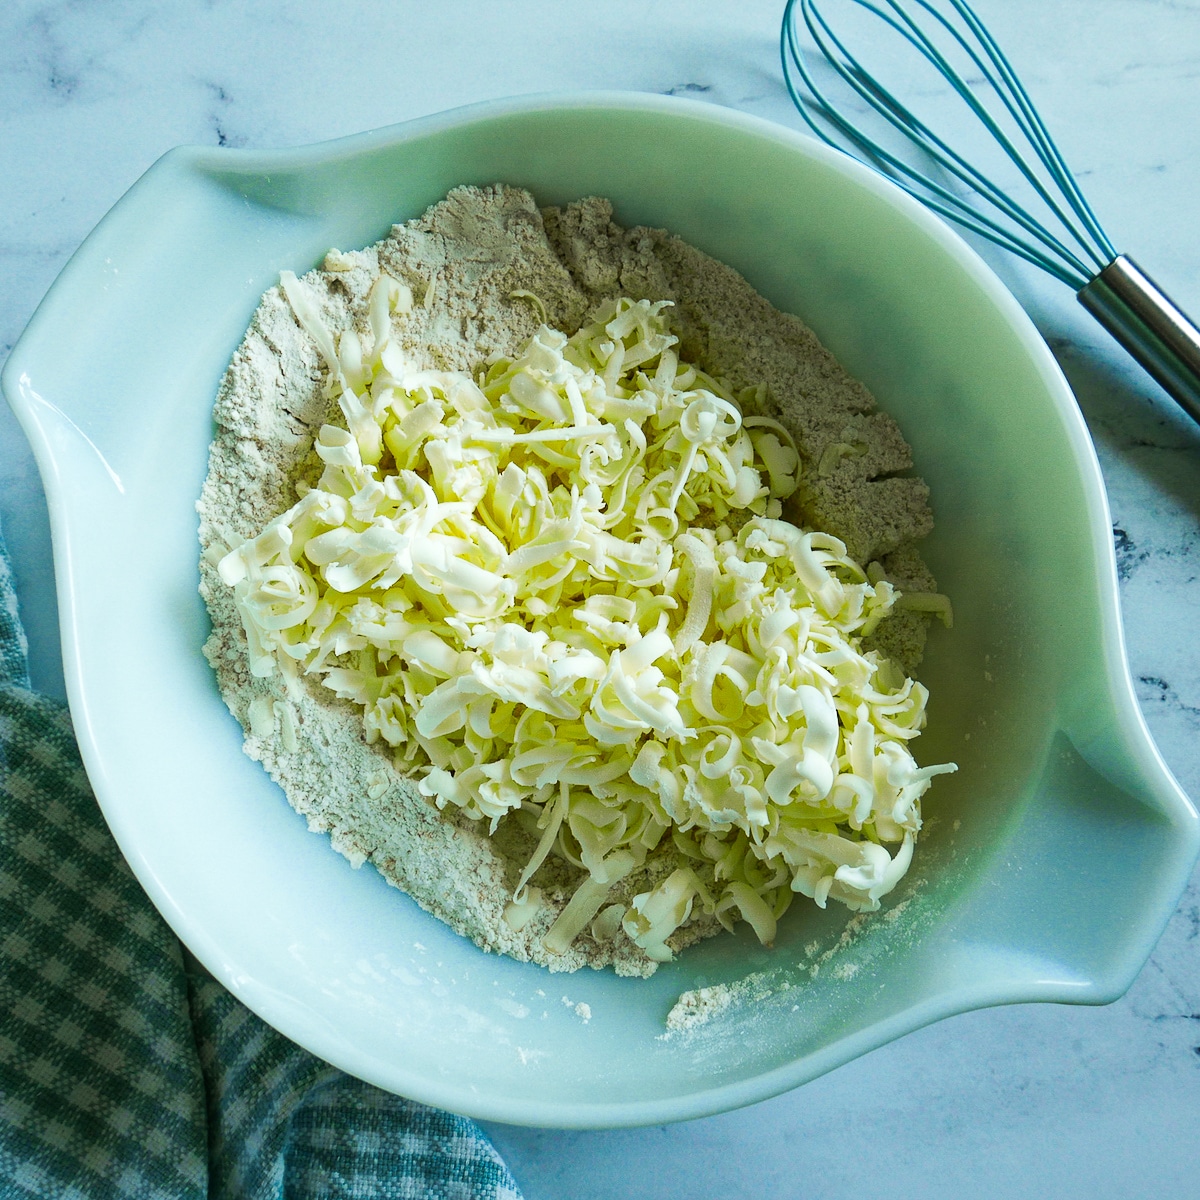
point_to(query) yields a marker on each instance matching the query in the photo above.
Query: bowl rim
(457, 1097)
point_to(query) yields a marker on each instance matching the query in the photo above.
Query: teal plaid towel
(126, 1071)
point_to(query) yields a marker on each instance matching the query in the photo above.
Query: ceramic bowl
(1052, 859)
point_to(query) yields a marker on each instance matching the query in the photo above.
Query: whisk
(1071, 246)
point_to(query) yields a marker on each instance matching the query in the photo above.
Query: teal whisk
(1071, 245)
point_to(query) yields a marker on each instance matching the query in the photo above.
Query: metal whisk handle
(1135, 310)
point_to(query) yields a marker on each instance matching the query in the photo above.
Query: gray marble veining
(1038, 1100)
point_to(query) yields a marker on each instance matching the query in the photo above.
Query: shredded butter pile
(564, 588)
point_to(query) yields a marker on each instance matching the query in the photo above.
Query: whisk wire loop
(1038, 134)
(909, 124)
(1010, 94)
(1100, 249)
(1122, 297)
(1030, 238)
(929, 191)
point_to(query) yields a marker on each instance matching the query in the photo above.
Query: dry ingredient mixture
(532, 550)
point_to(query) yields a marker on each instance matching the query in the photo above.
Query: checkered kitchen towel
(125, 1070)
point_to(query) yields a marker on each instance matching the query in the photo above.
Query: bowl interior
(1025, 886)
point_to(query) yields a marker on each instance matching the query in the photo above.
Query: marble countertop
(1031, 1100)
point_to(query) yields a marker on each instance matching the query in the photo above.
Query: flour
(581, 1010)
(700, 1005)
(696, 1008)
(486, 268)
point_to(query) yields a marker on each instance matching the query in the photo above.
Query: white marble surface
(1037, 1100)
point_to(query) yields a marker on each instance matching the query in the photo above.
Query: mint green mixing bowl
(1052, 859)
